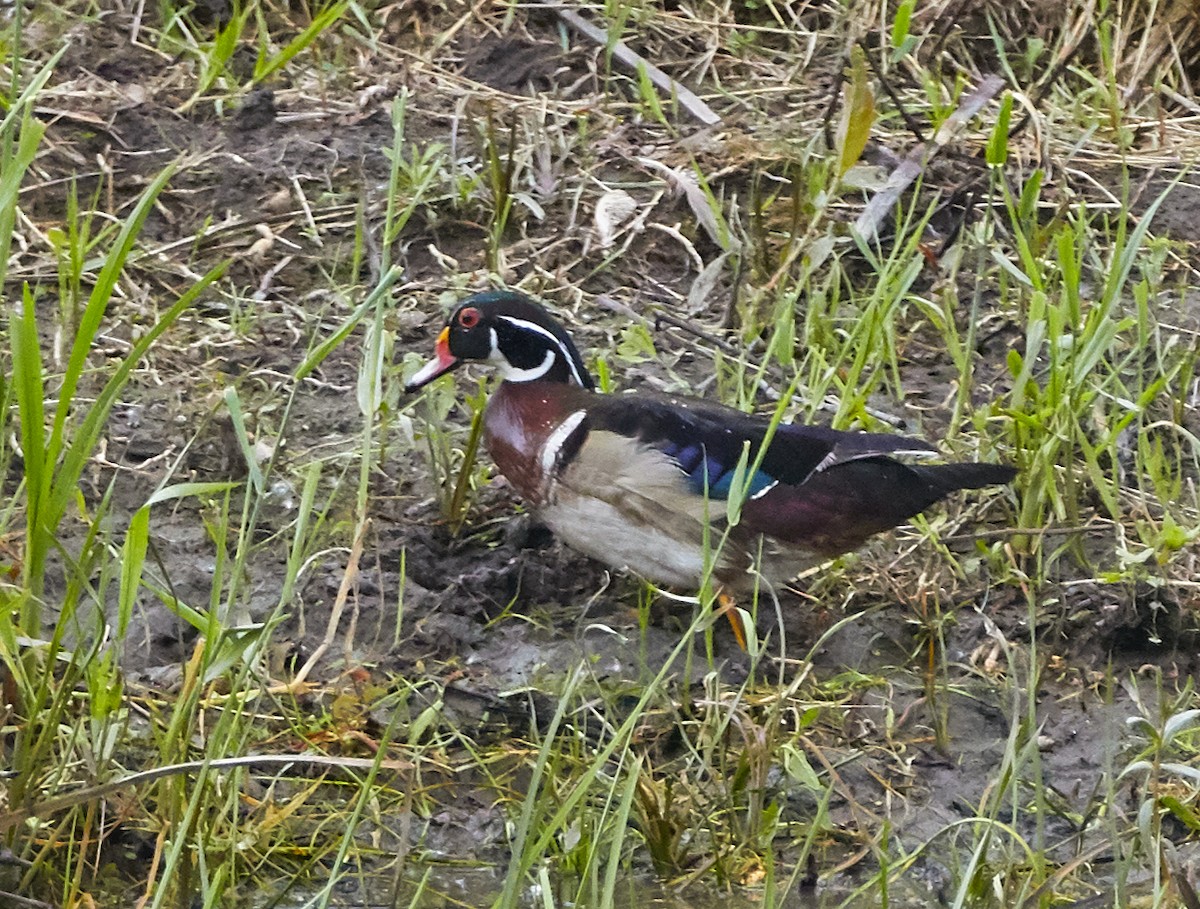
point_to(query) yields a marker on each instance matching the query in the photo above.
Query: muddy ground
(289, 182)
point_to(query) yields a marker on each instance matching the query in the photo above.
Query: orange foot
(727, 606)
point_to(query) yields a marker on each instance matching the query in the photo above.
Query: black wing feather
(677, 424)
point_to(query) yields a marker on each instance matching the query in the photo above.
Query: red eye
(469, 317)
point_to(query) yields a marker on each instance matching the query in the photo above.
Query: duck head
(511, 332)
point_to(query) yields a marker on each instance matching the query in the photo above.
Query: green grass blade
(133, 558)
(234, 404)
(30, 388)
(84, 442)
(13, 166)
(330, 344)
(620, 821)
(323, 20)
(97, 305)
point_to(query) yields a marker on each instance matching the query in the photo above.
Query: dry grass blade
(634, 62)
(50, 807)
(915, 162)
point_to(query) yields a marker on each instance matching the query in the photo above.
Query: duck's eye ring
(469, 317)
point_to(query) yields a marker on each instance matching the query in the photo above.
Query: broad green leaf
(797, 766)
(133, 557)
(234, 403)
(997, 147)
(858, 113)
(900, 24)
(738, 487)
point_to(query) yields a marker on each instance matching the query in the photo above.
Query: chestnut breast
(520, 417)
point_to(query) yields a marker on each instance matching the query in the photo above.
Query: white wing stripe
(552, 447)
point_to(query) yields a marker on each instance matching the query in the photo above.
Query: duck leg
(727, 606)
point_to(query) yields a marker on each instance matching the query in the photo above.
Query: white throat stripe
(512, 374)
(538, 371)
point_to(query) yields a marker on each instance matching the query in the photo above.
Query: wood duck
(640, 480)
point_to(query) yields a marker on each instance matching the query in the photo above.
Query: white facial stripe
(540, 370)
(552, 447)
(495, 356)
(512, 374)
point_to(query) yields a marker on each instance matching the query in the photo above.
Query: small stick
(631, 60)
(909, 120)
(835, 95)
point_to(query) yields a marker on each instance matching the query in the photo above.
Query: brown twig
(835, 95)
(910, 121)
(349, 580)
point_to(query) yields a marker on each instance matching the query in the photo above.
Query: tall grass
(68, 617)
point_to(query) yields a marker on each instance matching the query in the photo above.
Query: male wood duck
(639, 480)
